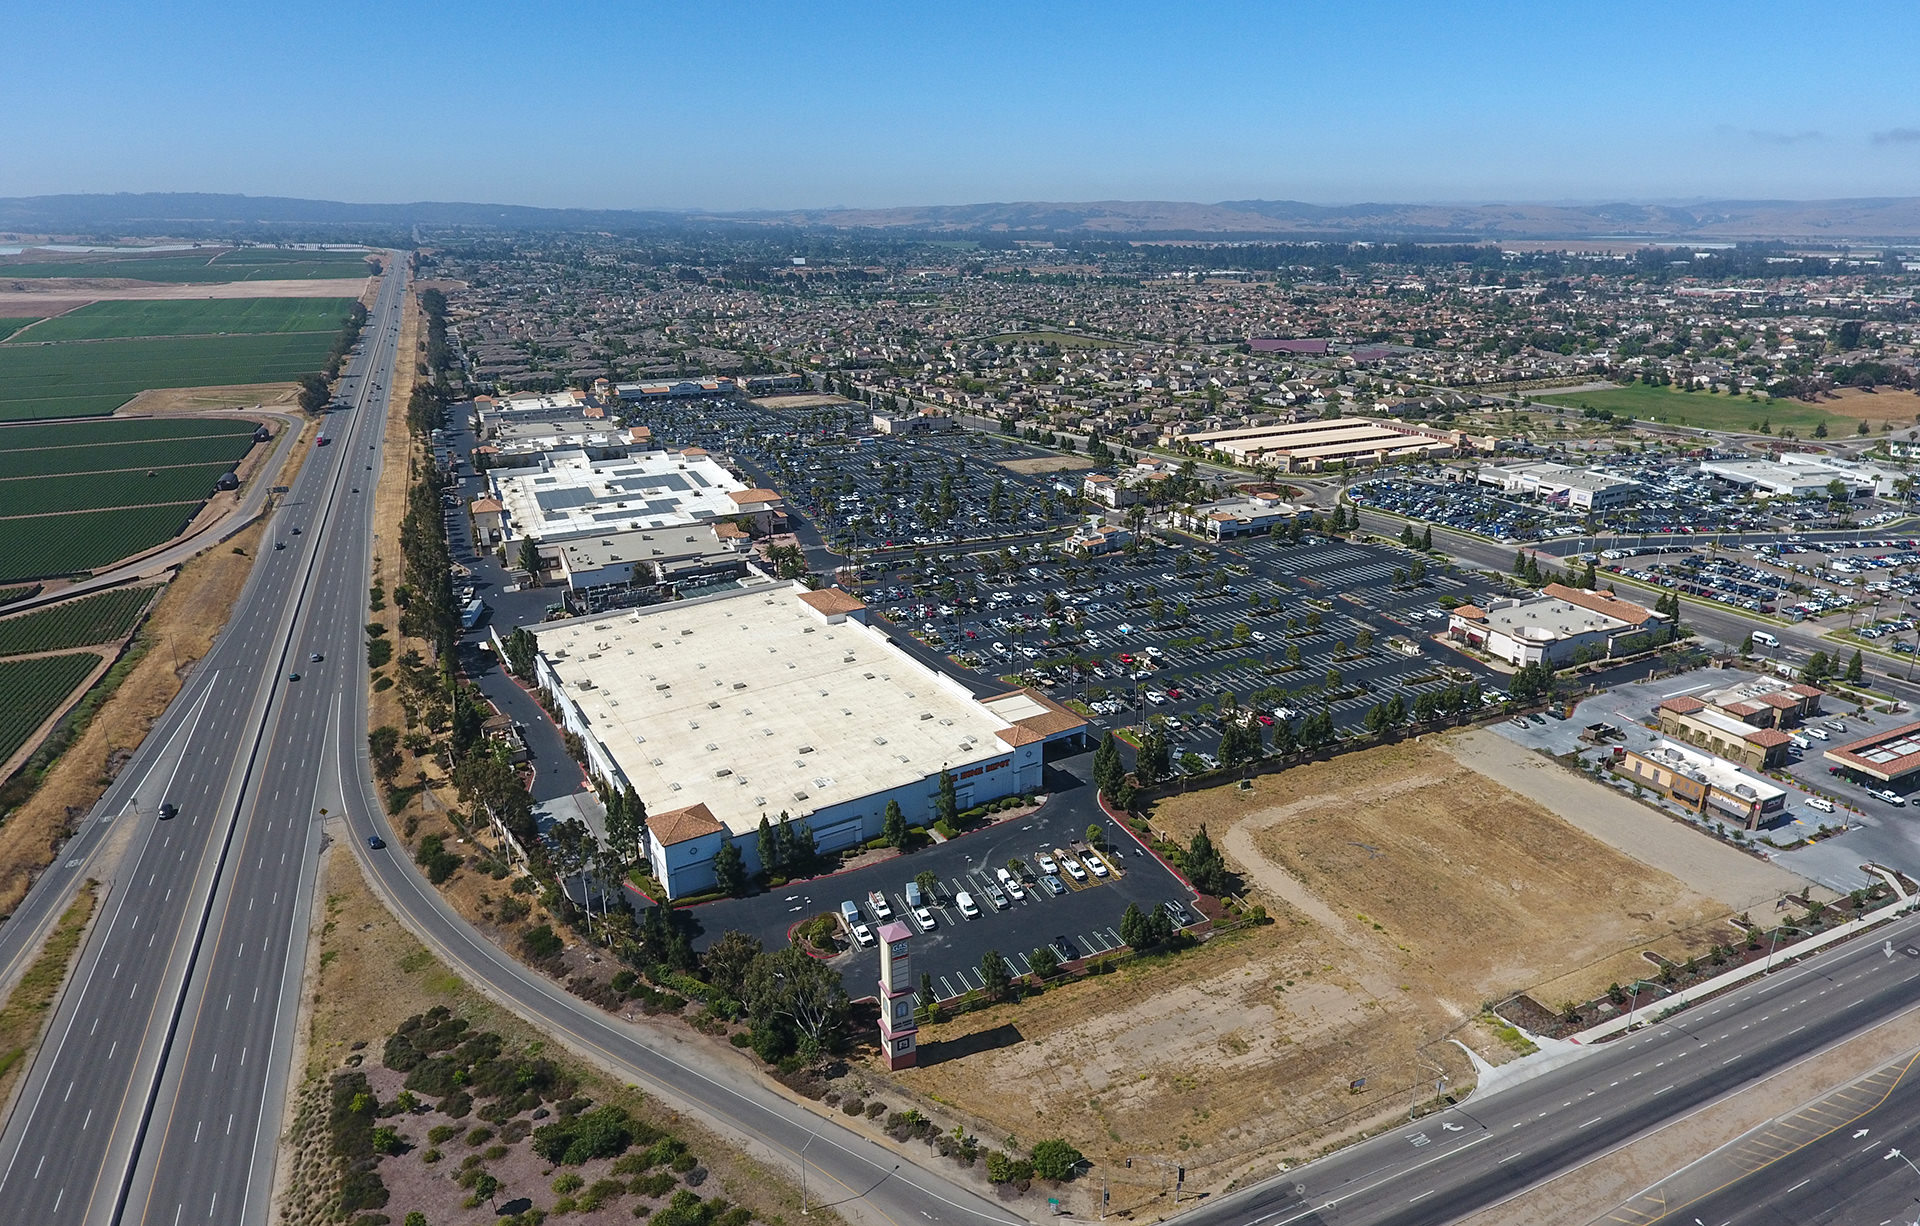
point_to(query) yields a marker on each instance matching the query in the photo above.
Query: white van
(1818, 734)
(1765, 639)
(968, 908)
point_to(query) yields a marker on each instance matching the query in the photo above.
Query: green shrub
(541, 943)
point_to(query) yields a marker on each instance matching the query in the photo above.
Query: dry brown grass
(1047, 464)
(1885, 404)
(1406, 891)
(24, 1015)
(178, 633)
(167, 400)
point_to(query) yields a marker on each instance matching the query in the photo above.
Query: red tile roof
(681, 825)
(1600, 602)
(1683, 705)
(831, 601)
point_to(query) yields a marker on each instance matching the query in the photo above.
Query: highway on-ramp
(157, 1093)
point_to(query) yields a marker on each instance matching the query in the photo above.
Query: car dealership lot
(1079, 923)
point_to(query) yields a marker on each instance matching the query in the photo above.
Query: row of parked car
(1006, 889)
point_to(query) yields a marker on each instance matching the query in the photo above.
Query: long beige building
(1307, 446)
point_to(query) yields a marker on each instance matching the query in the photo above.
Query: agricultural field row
(13, 323)
(205, 317)
(253, 265)
(99, 491)
(120, 457)
(53, 546)
(100, 618)
(35, 689)
(95, 378)
(122, 430)
(10, 594)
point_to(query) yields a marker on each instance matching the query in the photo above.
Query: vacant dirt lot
(805, 400)
(1406, 889)
(18, 297)
(1047, 464)
(1886, 404)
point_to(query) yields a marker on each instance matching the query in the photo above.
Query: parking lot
(1176, 630)
(1079, 921)
(885, 491)
(1671, 502)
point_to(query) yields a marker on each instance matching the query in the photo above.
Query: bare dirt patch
(801, 401)
(1885, 404)
(1047, 464)
(70, 292)
(1407, 891)
(156, 402)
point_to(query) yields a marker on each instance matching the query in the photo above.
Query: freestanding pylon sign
(897, 1027)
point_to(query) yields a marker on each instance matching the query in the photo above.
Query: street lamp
(1775, 943)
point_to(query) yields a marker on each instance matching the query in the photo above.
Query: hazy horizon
(762, 107)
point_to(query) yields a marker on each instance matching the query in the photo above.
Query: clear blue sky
(810, 104)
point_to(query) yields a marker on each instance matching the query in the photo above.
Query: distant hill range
(1887, 219)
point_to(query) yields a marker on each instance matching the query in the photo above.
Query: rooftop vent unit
(713, 706)
(879, 740)
(806, 749)
(723, 772)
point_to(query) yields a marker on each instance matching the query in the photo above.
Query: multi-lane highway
(157, 1094)
(1491, 1147)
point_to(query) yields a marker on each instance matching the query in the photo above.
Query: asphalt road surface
(1447, 1165)
(158, 1093)
(1844, 1159)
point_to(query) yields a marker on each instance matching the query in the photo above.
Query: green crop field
(10, 594)
(13, 323)
(99, 491)
(250, 265)
(93, 378)
(51, 546)
(35, 689)
(62, 434)
(197, 317)
(1704, 410)
(100, 618)
(120, 457)
(83, 468)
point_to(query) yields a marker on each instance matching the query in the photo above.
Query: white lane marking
(1595, 1120)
